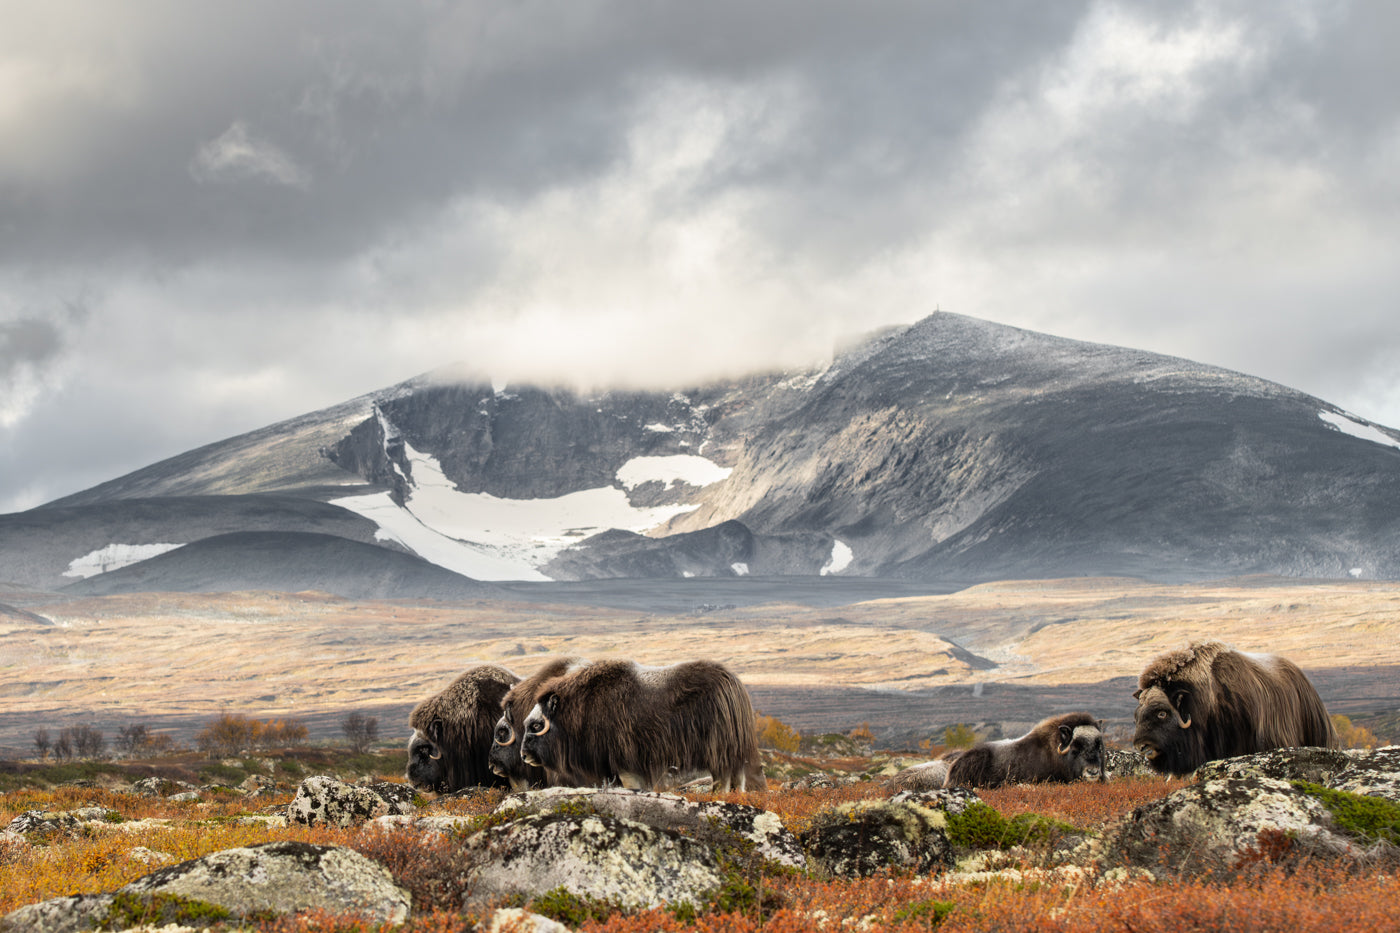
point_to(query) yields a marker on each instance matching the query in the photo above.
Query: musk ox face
(426, 770)
(537, 745)
(1081, 747)
(1164, 731)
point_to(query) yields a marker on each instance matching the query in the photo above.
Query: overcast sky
(217, 215)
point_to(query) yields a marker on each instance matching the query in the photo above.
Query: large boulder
(1371, 774)
(1222, 824)
(1317, 765)
(322, 800)
(866, 836)
(720, 824)
(591, 855)
(235, 884)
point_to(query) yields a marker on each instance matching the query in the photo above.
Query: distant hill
(949, 452)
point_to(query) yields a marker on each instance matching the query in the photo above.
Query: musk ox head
(452, 731)
(1080, 748)
(1164, 721)
(509, 731)
(540, 745)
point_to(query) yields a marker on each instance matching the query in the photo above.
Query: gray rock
(597, 856)
(1125, 762)
(322, 800)
(866, 836)
(948, 799)
(189, 796)
(515, 920)
(1372, 773)
(713, 822)
(159, 787)
(1221, 824)
(928, 775)
(276, 878)
(258, 785)
(1317, 765)
(44, 823)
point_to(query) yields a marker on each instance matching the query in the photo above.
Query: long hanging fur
(1208, 701)
(617, 721)
(452, 731)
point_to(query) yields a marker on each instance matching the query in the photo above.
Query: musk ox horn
(545, 729)
(511, 737)
(436, 757)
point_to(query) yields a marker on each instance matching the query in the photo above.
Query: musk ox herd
(600, 723)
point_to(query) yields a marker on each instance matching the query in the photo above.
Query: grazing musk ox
(641, 726)
(1060, 749)
(505, 757)
(1207, 701)
(452, 731)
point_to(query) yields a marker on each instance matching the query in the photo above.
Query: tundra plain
(1000, 655)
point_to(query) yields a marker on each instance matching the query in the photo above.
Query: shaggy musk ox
(452, 731)
(1062, 748)
(505, 757)
(1208, 701)
(641, 726)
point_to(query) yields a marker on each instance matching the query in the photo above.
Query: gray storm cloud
(269, 207)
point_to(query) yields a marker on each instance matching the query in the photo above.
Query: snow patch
(1356, 573)
(841, 557)
(489, 538)
(115, 556)
(1356, 429)
(661, 428)
(740, 569)
(686, 468)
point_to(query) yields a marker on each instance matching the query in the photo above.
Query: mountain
(948, 452)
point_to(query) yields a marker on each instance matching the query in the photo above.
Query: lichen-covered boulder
(928, 775)
(1371, 774)
(232, 885)
(159, 787)
(46, 823)
(1317, 765)
(596, 856)
(719, 824)
(258, 785)
(515, 920)
(1222, 824)
(947, 799)
(866, 836)
(1125, 762)
(322, 800)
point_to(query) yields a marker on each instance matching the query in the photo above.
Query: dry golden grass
(190, 656)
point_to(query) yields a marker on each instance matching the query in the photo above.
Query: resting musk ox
(1208, 701)
(505, 746)
(1059, 749)
(452, 731)
(642, 726)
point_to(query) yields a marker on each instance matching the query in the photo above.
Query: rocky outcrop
(1318, 765)
(718, 824)
(1223, 825)
(232, 885)
(867, 836)
(46, 823)
(596, 856)
(1371, 774)
(322, 800)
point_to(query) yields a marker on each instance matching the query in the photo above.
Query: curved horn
(508, 742)
(436, 757)
(547, 724)
(1183, 723)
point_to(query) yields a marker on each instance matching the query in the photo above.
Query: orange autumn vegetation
(1287, 897)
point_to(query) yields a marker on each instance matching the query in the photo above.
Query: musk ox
(1059, 749)
(505, 757)
(452, 731)
(1208, 701)
(641, 726)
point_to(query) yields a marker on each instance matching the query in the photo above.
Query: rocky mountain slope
(948, 452)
